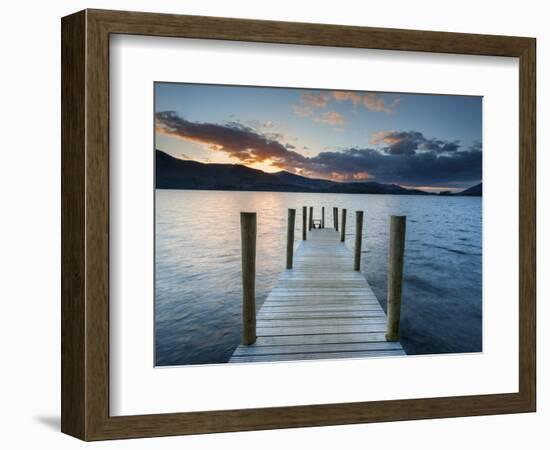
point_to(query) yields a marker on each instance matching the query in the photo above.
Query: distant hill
(474, 191)
(174, 173)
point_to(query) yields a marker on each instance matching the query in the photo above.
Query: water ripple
(197, 266)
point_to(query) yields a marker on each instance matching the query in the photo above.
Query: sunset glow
(430, 142)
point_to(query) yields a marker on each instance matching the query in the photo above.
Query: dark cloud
(422, 168)
(440, 146)
(409, 142)
(239, 141)
(402, 157)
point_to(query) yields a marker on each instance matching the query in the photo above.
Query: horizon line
(428, 189)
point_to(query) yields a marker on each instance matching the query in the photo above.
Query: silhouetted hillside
(474, 191)
(174, 173)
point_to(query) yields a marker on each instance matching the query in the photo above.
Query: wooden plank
(312, 296)
(323, 302)
(284, 307)
(320, 315)
(314, 292)
(310, 356)
(315, 348)
(311, 322)
(329, 309)
(321, 339)
(329, 329)
(323, 297)
(341, 303)
(328, 289)
(321, 309)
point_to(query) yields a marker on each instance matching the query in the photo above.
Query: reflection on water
(197, 267)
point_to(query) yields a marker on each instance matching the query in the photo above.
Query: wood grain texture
(267, 31)
(248, 271)
(291, 225)
(85, 224)
(304, 223)
(527, 224)
(314, 283)
(358, 240)
(73, 271)
(395, 275)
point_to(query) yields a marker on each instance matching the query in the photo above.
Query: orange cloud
(302, 110)
(315, 100)
(404, 157)
(361, 176)
(234, 139)
(385, 137)
(310, 102)
(344, 176)
(331, 118)
(374, 102)
(341, 96)
(370, 100)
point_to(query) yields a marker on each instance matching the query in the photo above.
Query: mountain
(474, 191)
(174, 173)
(308, 183)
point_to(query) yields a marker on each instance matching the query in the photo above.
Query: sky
(430, 142)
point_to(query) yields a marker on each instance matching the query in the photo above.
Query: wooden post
(310, 218)
(323, 217)
(248, 255)
(358, 239)
(335, 217)
(290, 238)
(395, 275)
(304, 223)
(343, 231)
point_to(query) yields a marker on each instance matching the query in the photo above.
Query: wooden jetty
(322, 308)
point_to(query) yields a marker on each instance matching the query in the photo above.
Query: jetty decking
(320, 309)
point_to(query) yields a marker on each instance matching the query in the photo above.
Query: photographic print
(306, 224)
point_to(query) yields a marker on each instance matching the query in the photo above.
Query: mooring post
(343, 231)
(310, 218)
(335, 217)
(395, 275)
(323, 217)
(290, 238)
(304, 223)
(358, 239)
(248, 256)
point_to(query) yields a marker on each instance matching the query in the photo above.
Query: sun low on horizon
(421, 141)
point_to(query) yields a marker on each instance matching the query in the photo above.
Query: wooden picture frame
(85, 224)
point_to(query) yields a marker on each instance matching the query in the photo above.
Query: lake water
(198, 279)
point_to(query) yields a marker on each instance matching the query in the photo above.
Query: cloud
(355, 97)
(258, 125)
(311, 102)
(401, 157)
(416, 169)
(370, 100)
(315, 100)
(374, 102)
(237, 140)
(331, 118)
(409, 142)
(441, 146)
(302, 110)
